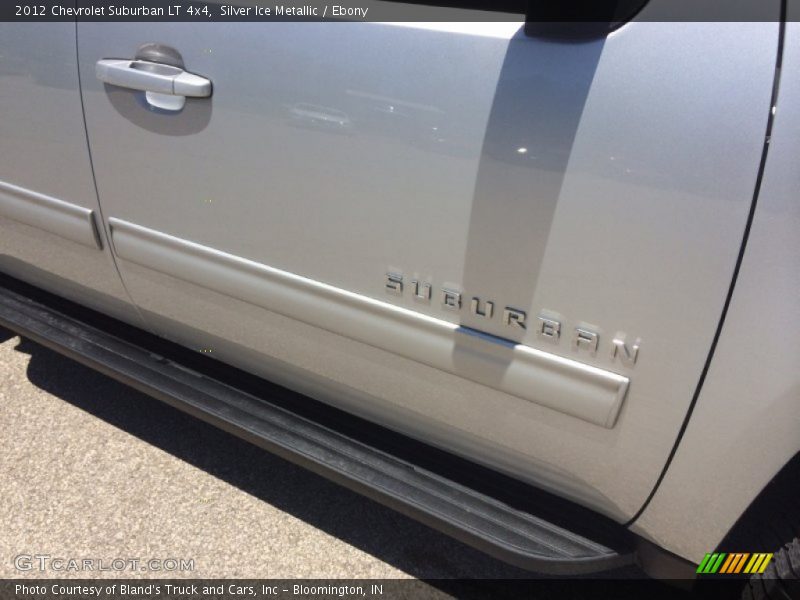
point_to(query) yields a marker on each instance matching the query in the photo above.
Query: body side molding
(559, 383)
(64, 219)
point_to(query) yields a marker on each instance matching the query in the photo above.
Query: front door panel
(513, 248)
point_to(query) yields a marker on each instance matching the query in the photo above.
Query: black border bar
(579, 12)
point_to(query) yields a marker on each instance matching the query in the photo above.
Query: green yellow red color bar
(734, 562)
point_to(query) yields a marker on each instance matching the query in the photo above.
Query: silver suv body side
(338, 216)
(746, 425)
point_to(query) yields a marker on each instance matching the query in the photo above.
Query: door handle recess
(152, 77)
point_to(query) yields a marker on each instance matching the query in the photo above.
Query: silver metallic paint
(746, 424)
(47, 193)
(625, 203)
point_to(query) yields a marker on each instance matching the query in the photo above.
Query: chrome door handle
(152, 77)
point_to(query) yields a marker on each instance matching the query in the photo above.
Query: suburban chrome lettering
(585, 339)
(514, 317)
(420, 291)
(451, 299)
(487, 311)
(548, 328)
(394, 284)
(620, 349)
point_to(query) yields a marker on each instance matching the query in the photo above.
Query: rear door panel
(603, 186)
(50, 229)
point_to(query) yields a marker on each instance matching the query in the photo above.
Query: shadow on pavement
(5, 335)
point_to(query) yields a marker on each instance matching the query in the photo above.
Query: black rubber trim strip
(736, 269)
(102, 219)
(517, 537)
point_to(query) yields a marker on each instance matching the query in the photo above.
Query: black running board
(512, 535)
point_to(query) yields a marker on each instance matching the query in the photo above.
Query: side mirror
(578, 19)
